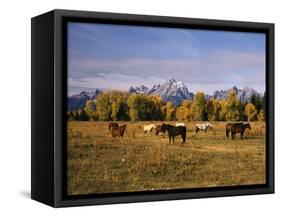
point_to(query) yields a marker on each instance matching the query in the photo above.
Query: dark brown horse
(118, 131)
(112, 125)
(174, 131)
(159, 129)
(228, 127)
(238, 128)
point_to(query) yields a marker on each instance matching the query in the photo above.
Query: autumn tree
(104, 106)
(90, 111)
(251, 111)
(200, 112)
(233, 107)
(170, 111)
(185, 111)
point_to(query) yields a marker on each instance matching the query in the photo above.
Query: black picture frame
(49, 100)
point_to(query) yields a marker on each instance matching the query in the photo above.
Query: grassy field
(98, 163)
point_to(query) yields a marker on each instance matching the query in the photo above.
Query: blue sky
(120, 56)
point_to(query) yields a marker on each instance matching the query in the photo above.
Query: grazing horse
(228, 127)
(118, 131)
(238, 128)
(180, 124)
(209, 125)
(148, 128)
(159, 129)
(112, 125)
(203, 127)
(174, 131)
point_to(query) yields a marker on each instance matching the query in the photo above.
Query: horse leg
(241, 135)
(169, 138)
(173, 137)
(232, 135)
(183, 138)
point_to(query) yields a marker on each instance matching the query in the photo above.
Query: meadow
(98, 163)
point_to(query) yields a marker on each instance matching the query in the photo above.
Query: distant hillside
(78, 101)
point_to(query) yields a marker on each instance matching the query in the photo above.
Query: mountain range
(171, 90)
(78, 101)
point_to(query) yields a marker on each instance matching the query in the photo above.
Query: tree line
(122, 106)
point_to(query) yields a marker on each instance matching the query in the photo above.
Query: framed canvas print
(133, 108)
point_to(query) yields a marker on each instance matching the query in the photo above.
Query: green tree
(70, 115)
(82, 115)
(257, 101)
(138, 107)
(261, 115)
(76, 115)
(200, 112)
(159, 103)
(120, 109)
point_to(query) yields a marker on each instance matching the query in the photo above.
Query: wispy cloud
(225, 68)
(120, 56)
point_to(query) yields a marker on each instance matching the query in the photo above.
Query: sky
(117, 57)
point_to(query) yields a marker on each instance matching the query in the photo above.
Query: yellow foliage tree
(185, 112)
(170, 111)
(251, 111)
(261, 115)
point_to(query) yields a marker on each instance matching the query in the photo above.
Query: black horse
(238, 128)
(174, 131)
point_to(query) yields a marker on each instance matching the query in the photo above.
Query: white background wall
(15, 106)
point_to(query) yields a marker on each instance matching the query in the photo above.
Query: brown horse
(112, 125)
(118, 131)
(228, 127)
(159, 129)
(238, 128)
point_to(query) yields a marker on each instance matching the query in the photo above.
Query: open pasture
(98, 163)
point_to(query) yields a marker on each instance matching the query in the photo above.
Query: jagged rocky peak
(171, 80)
(171, 90)
(140, 89)
(244, 94)
(78, 101)
(90, 94)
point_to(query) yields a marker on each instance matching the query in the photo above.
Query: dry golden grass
(98, 163)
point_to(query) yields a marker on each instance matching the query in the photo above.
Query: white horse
(203, 127)
(180, 124)
(209, 125)
(148, 128)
